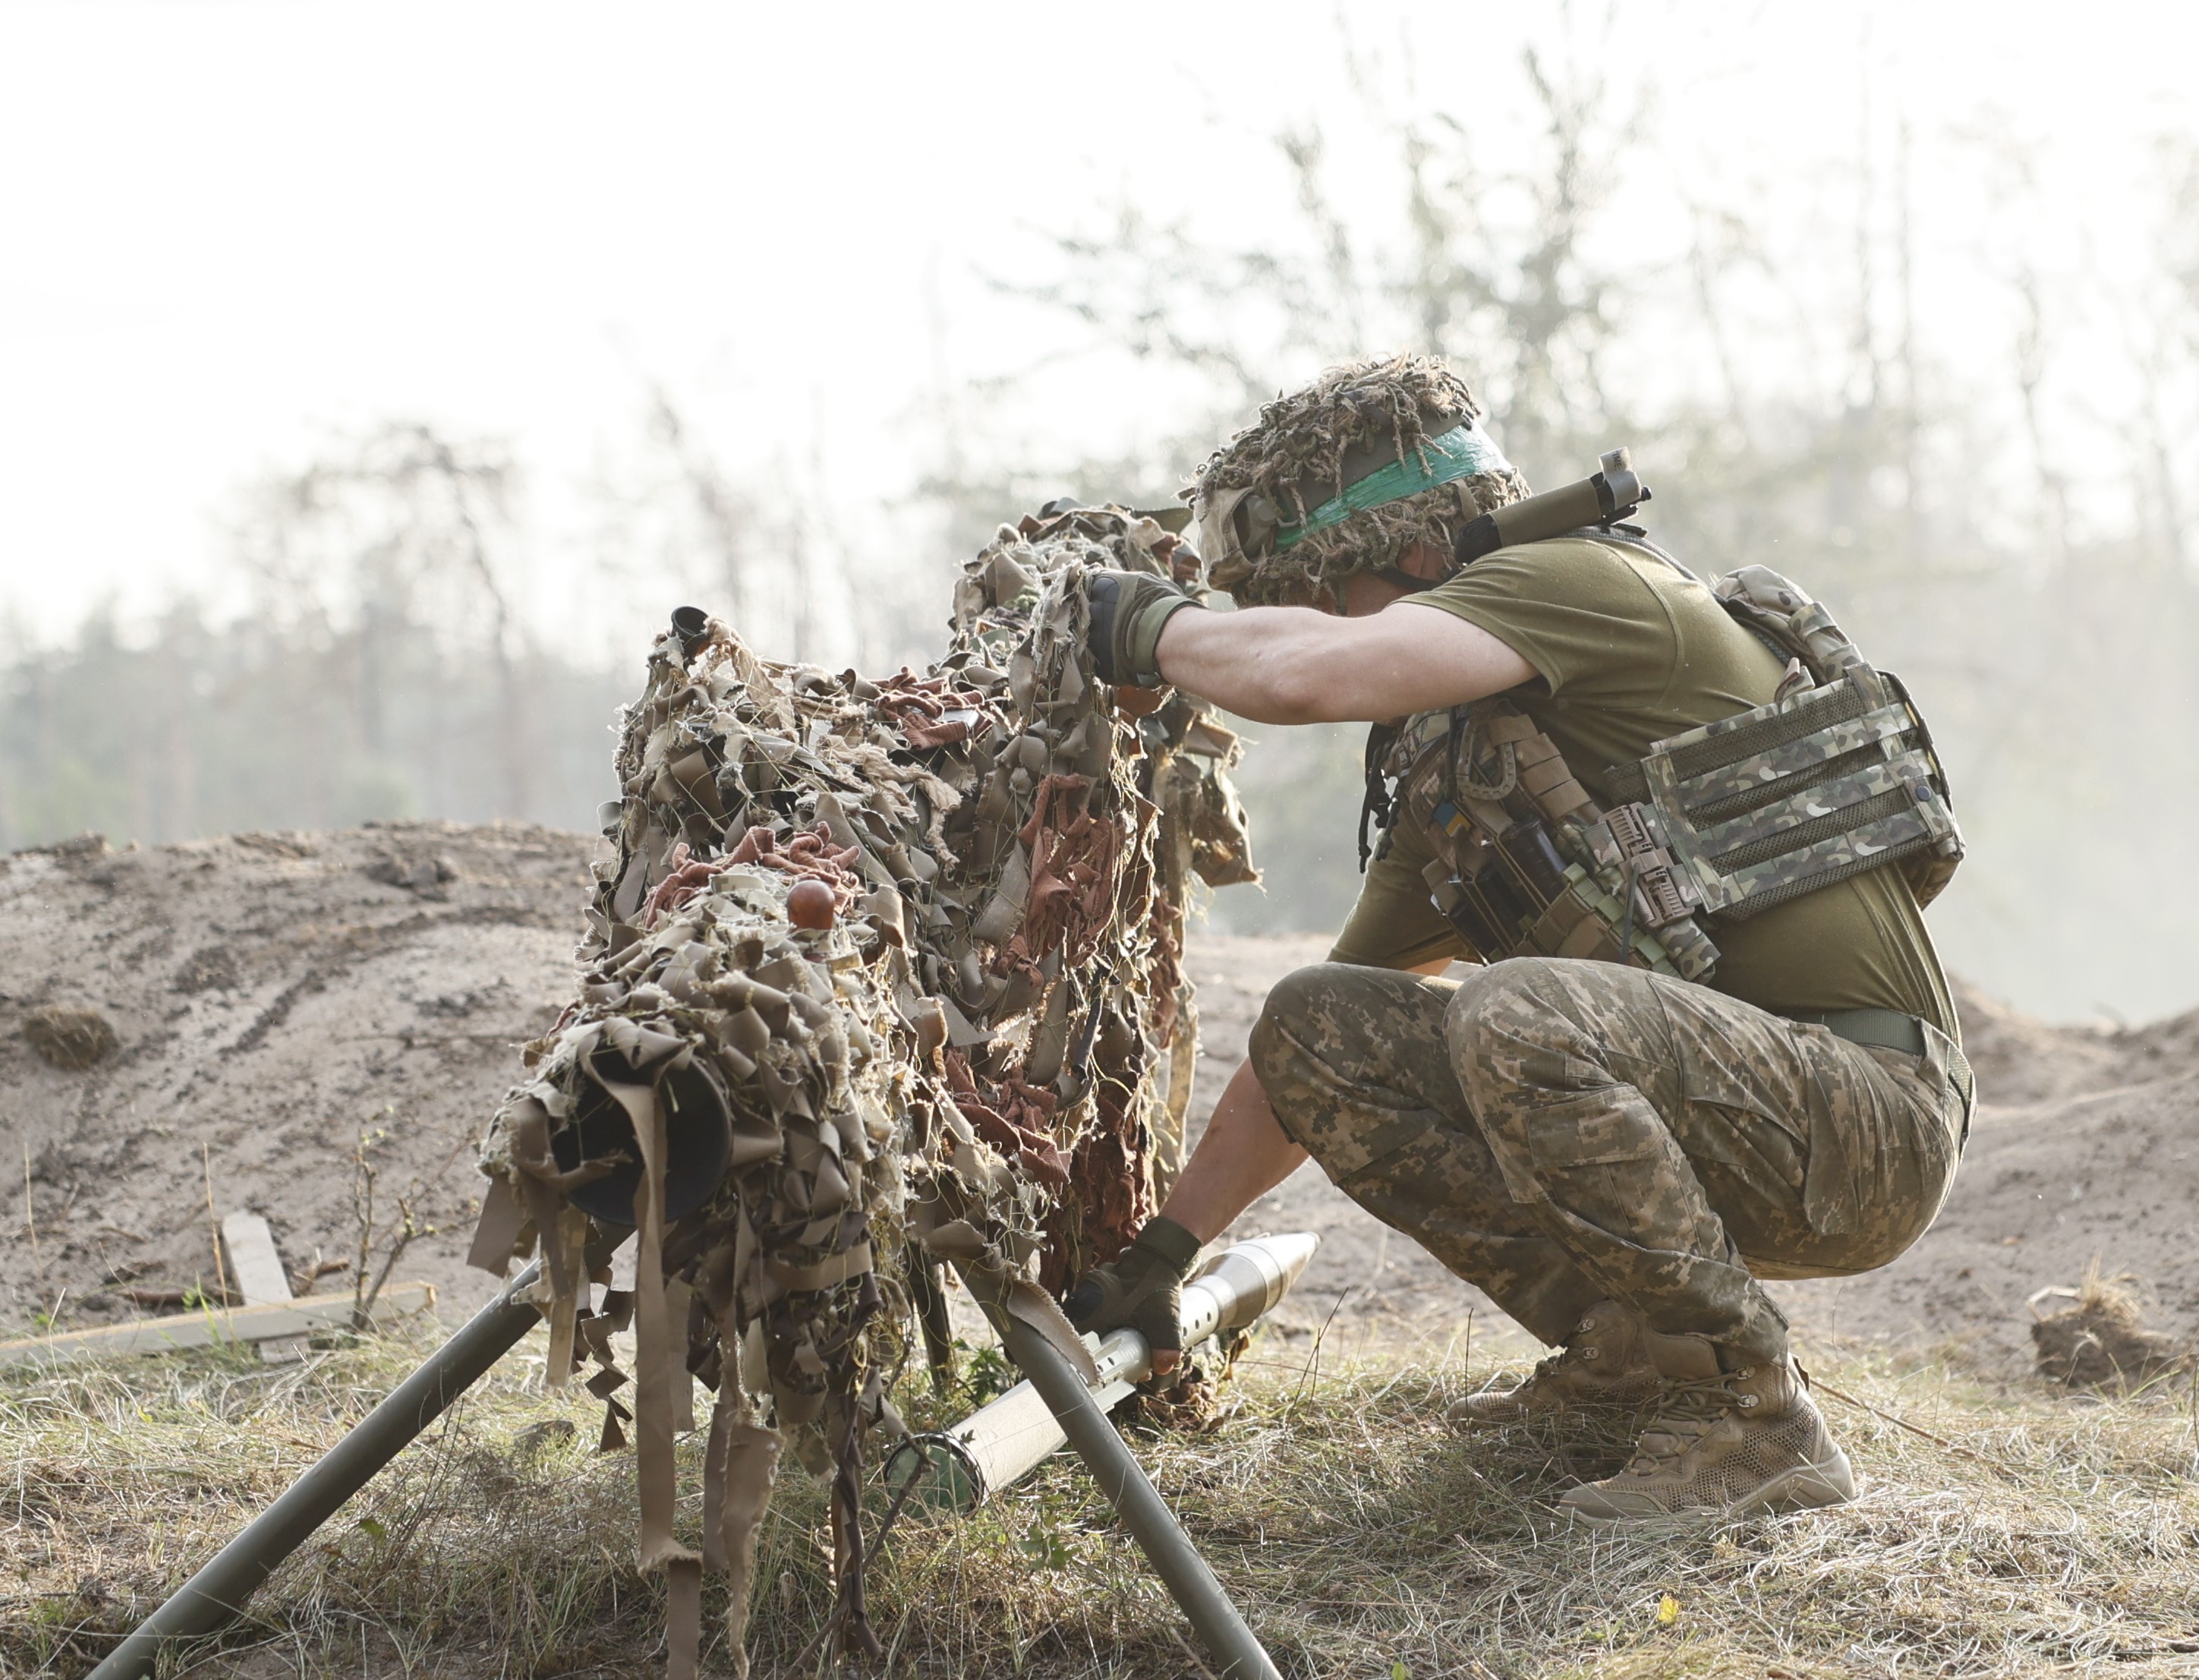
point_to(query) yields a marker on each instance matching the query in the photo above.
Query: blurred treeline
(1989, 492)
(388, 638)
(372, 665)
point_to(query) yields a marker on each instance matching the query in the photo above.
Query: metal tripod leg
(1238, 1655)
(931, 1302)
(216, 1594)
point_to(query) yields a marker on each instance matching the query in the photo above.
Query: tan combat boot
(1605, 1365)
(1724, 1444)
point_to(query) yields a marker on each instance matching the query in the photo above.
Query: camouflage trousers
(1561, 1133)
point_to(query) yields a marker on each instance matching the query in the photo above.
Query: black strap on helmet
(1405, 580)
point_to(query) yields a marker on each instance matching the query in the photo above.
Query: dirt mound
(271, 995)
(2021, 1061)
(2085, 1155)
(268, 996)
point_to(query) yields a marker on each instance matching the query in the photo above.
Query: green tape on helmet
(1459, 452)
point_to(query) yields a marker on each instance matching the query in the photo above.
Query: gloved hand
(1128, 612)
(1142, 1288)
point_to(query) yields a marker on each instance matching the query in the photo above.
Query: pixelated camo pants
(1561, 1133)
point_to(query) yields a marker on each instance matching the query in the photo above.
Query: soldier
(1615, 1153)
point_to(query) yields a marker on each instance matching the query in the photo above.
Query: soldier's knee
(1298, 1007)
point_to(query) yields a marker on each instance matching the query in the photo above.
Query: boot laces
(1691, 1408)
(1556, 1365)
(1551, 1363)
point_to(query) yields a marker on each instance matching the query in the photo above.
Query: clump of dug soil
(2099, 1339)
(70, 1037)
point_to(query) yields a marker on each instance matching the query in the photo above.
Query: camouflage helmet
(1344, 478)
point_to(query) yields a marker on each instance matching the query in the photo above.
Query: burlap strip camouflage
(877, 975)
(1307, 450)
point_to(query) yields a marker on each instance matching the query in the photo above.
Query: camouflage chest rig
(1835, 775)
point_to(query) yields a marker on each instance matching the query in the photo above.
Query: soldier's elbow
(1297, 691)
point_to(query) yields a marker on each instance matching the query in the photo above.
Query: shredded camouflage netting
(1301, 454)
(883, 974)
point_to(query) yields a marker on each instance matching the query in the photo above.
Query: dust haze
(1895, 324)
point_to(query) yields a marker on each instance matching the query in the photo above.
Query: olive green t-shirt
(1630, 652)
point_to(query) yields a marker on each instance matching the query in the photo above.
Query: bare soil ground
(273, 996)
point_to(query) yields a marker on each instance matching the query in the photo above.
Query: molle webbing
(1515, 872)
(1758, 809)
(1731, 739)
(1836, 776)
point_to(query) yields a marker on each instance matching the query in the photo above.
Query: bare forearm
(1264, 662)
(1243, 1155)
(1294, 665)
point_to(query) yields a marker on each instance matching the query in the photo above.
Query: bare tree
(726, 519)
(401, 526)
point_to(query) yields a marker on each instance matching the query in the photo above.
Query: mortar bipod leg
(1237, 1654)
(215, 1596)
(931, 1302)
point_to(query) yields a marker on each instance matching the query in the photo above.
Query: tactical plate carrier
(1836, 775)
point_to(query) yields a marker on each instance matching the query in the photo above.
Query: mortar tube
(216, 1594)
(1190, 1582)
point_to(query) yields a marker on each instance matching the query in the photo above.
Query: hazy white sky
(230, 227)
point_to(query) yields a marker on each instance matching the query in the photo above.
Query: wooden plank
(258, 1269)
(214, 1326)
(253, 1261)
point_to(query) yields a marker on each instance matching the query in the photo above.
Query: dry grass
(1363, 1540)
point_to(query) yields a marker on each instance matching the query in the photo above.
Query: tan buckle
(1666, 895)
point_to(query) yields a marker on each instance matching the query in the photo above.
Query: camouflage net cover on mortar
(883, 973)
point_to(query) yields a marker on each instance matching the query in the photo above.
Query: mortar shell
(959, 1467)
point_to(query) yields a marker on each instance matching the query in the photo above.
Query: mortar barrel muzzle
(691, 625)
